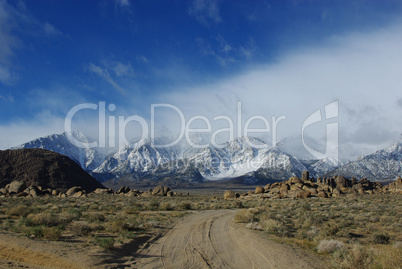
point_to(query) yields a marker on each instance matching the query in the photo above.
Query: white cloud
(7, 98)
(362, 71)
(105, 74)
(223, 58)
(123, 3)
(8, 41)
(21, 132)
(5, 75)
(120, 69)
(50, 30)
(15, 21)
(205, 11)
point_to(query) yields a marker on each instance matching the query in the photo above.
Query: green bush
(154, 204)
(105, 243)
(19, 211)
(380, 238)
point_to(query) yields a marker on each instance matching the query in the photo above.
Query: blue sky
(276, 57)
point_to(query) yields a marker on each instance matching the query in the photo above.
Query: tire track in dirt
(211, 239)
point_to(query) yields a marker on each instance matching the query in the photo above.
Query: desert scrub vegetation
(97, 219)
(355, 232)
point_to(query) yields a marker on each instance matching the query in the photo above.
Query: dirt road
(210, 239)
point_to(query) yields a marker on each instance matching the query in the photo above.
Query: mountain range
(248, 158)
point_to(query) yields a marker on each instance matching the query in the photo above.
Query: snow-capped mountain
(236, 158)
(383, 164)
(245, 157)
(87, 158)
(279, 165)
(320, 167)
(140, 157)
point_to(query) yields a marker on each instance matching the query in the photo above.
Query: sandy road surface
(211, 240)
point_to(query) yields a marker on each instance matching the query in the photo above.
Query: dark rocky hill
(44, 168)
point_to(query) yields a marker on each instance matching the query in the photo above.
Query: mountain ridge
(244, 157)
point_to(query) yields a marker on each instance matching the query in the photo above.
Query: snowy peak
(381, 165)
(87, 158)
(246, 157)
(138, 157)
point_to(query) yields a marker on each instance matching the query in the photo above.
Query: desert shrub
(329, 246)
(79, 228)
(105, 243)
(35, 231)
(186, 206)
(151, 224)
(357, 257)
(51, 233)
(19, 211)
(44, 218)
(96, 217)
(244, 216)
(254, 226)
(380, 238)
(330, 228)
(66, 217)
(238, 204)
(271, 226)
(77, 213)
(286, 230)
(154, 204)
(310, 234)
(166, 206)
(116, 226)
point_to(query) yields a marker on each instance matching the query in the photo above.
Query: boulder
(259, 190)
(79, 193)
(295, 188)
(71, 191)
(396, 186)
(229, 195)
(303, 194)
(123, 190)
(159, 190)
(322, 194)
(341, 181)
(294, 180)
(336, 192)
(305, 175)
(33, 192)
(16, 187)
(101, 191)
(166, 190)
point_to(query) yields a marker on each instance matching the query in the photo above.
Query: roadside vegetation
(352, 232)
(363, 231)
(103, 220)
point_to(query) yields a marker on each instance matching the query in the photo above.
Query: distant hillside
(385, 164)
(45, 168)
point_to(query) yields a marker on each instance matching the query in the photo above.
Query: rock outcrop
(324, 187)
(39, 167)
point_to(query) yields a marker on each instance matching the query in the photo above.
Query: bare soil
(211, 239)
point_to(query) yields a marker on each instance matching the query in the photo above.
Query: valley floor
(200, 231)
(205, 239)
